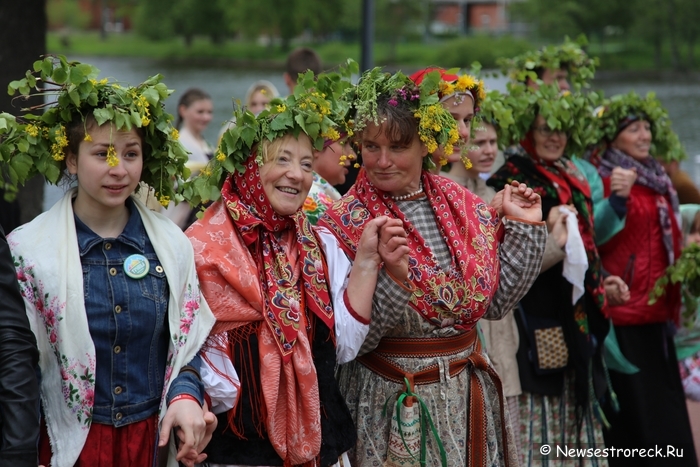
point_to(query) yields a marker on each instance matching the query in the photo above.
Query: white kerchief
(576, 261)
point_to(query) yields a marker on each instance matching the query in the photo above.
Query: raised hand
(622, 180)
(518, 200)
(367, 256)
(393, 248)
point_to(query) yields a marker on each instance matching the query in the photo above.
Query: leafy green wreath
(35, 143)
(436, 126)
(569, 112)
(665, 144)
(569, 56)
(316, 108)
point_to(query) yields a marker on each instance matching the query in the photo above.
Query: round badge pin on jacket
(136, 266)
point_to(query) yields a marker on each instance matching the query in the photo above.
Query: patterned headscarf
(283, 293)
(456, 297)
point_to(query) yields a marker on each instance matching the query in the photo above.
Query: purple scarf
(651, 174)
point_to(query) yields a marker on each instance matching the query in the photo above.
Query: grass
(459, 52)
(456, 52)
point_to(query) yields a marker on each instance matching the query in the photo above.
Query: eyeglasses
(545, 131)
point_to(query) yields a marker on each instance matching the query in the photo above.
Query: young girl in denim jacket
(110, 287)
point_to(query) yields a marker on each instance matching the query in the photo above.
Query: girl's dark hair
(189, 97)
(401, 125)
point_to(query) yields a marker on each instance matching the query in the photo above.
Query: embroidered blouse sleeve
(350, 329)
(220, 379)
(521, 258)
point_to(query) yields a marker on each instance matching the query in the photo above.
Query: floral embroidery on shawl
(457, 296)
(77, 379)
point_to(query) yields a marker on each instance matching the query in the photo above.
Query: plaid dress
(367, 392)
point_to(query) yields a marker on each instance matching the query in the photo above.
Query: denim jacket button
(112, 271)
(117, 349)
(117, 309)
(159, 268)
(118, 416)
(108, 246)
(118, 390)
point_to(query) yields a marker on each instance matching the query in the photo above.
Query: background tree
(23, 31)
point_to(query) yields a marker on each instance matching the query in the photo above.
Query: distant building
(462, 16)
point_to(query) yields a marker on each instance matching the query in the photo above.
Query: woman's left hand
(194, 426)
(393, 248)
(518, 200)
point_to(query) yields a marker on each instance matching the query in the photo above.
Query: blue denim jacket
(128, 322)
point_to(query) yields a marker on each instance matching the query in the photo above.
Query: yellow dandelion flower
(164, 200)
(281, 108)
(220, 156)
(175, 134)
(465, 82)
(446, 88)
(87, 137)
(112, 159)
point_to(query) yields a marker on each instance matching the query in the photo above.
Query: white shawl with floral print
(47, 259)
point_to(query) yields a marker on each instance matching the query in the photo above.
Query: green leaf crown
(315, 109)
(665, 144)
(36, 143)
(571, 113)
(569, 56)
(436, 126)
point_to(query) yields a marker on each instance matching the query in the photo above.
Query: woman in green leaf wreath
(422, 392)
(561, 390)
(635, 133)
(289, 304)
(110, 287)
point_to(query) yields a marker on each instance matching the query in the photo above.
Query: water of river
(680, 96)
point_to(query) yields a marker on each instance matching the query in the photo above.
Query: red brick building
(472, 15)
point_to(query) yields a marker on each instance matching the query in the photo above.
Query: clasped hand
(518, 200)
(385, 240)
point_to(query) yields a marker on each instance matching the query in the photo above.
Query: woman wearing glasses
(561, 389)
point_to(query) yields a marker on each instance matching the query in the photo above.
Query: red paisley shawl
(457, 297)
(260, 226)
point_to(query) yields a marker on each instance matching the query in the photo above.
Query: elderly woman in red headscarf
(422, 344)
(289, 305)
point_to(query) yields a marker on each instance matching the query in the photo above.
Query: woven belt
(377, 362)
